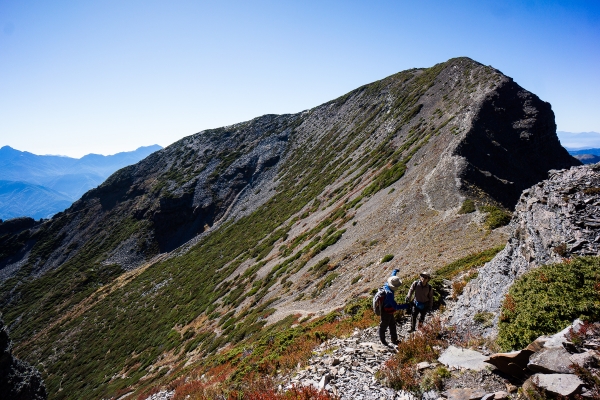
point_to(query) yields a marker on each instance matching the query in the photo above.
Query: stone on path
(554, 360)
(324, 381)
(556, 384)
(423, 365)
(464, 394)
(586, 360)
(463, 358)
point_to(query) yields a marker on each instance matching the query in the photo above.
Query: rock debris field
(347, 367)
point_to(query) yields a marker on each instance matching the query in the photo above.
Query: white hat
(394, 282)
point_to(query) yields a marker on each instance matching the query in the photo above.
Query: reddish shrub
(400, 371)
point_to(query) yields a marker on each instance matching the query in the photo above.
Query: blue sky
(109, 76)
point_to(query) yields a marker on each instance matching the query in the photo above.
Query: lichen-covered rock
(557, 384)
(18, 380)
(554, 360)
(554, 219)
(463, 358)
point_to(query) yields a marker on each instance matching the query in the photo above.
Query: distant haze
(577, 141)
(40, 186)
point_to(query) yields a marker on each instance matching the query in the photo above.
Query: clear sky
(106, 76)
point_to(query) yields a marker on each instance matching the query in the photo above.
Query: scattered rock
(324, 381)
(510, 388)
(553, 360)
(463, 358)
(464, 394)
(423, 365)
(501, 395)
(556, 384)
(513, 363)
(585, 360)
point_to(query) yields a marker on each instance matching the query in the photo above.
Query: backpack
(378, 301)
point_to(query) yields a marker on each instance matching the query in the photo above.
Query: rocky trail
(347, 367)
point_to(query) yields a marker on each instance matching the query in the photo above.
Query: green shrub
(434, 379)
(356, 279)
(387, 258)
(468, 206)
(496, 217)
(547, 299)
(484, 318)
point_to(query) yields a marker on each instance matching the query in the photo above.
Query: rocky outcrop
(18, 380)
(556, 218)
(516, 130)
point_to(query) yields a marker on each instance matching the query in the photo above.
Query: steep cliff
(203, 243)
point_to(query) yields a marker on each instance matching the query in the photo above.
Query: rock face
(553, 219)
(18, 380)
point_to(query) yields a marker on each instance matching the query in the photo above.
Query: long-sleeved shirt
(389, 302)
(423, 294)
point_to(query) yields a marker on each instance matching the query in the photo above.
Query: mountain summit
(202, 243)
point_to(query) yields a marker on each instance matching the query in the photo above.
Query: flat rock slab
(558, 384)
(557, 340)
(587, 359)
(464, 394)
(553, 360)
(463, 358)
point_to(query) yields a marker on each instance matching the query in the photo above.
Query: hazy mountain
(579, 141)
(45, 185)
(19, 199)
(232, 232)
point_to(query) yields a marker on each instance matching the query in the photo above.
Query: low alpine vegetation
(549, 298)
(387, 258)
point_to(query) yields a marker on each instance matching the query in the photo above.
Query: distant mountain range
(40, 186)
(579, 141)
(586, 156)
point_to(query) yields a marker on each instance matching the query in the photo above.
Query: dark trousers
(415, 313)
(387, 321)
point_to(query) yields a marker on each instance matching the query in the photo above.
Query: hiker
(389, 308)
(423, 301)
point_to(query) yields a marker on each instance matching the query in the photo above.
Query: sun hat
(394, 282)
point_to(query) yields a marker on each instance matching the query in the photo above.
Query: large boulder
(555, 384)
(513, 363)
(554, 360)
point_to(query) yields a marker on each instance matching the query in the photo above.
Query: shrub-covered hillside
(241, 229)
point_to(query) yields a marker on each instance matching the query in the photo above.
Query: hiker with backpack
(423, 300)
(385, 306)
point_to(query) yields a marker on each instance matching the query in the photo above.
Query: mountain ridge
(233, 228)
